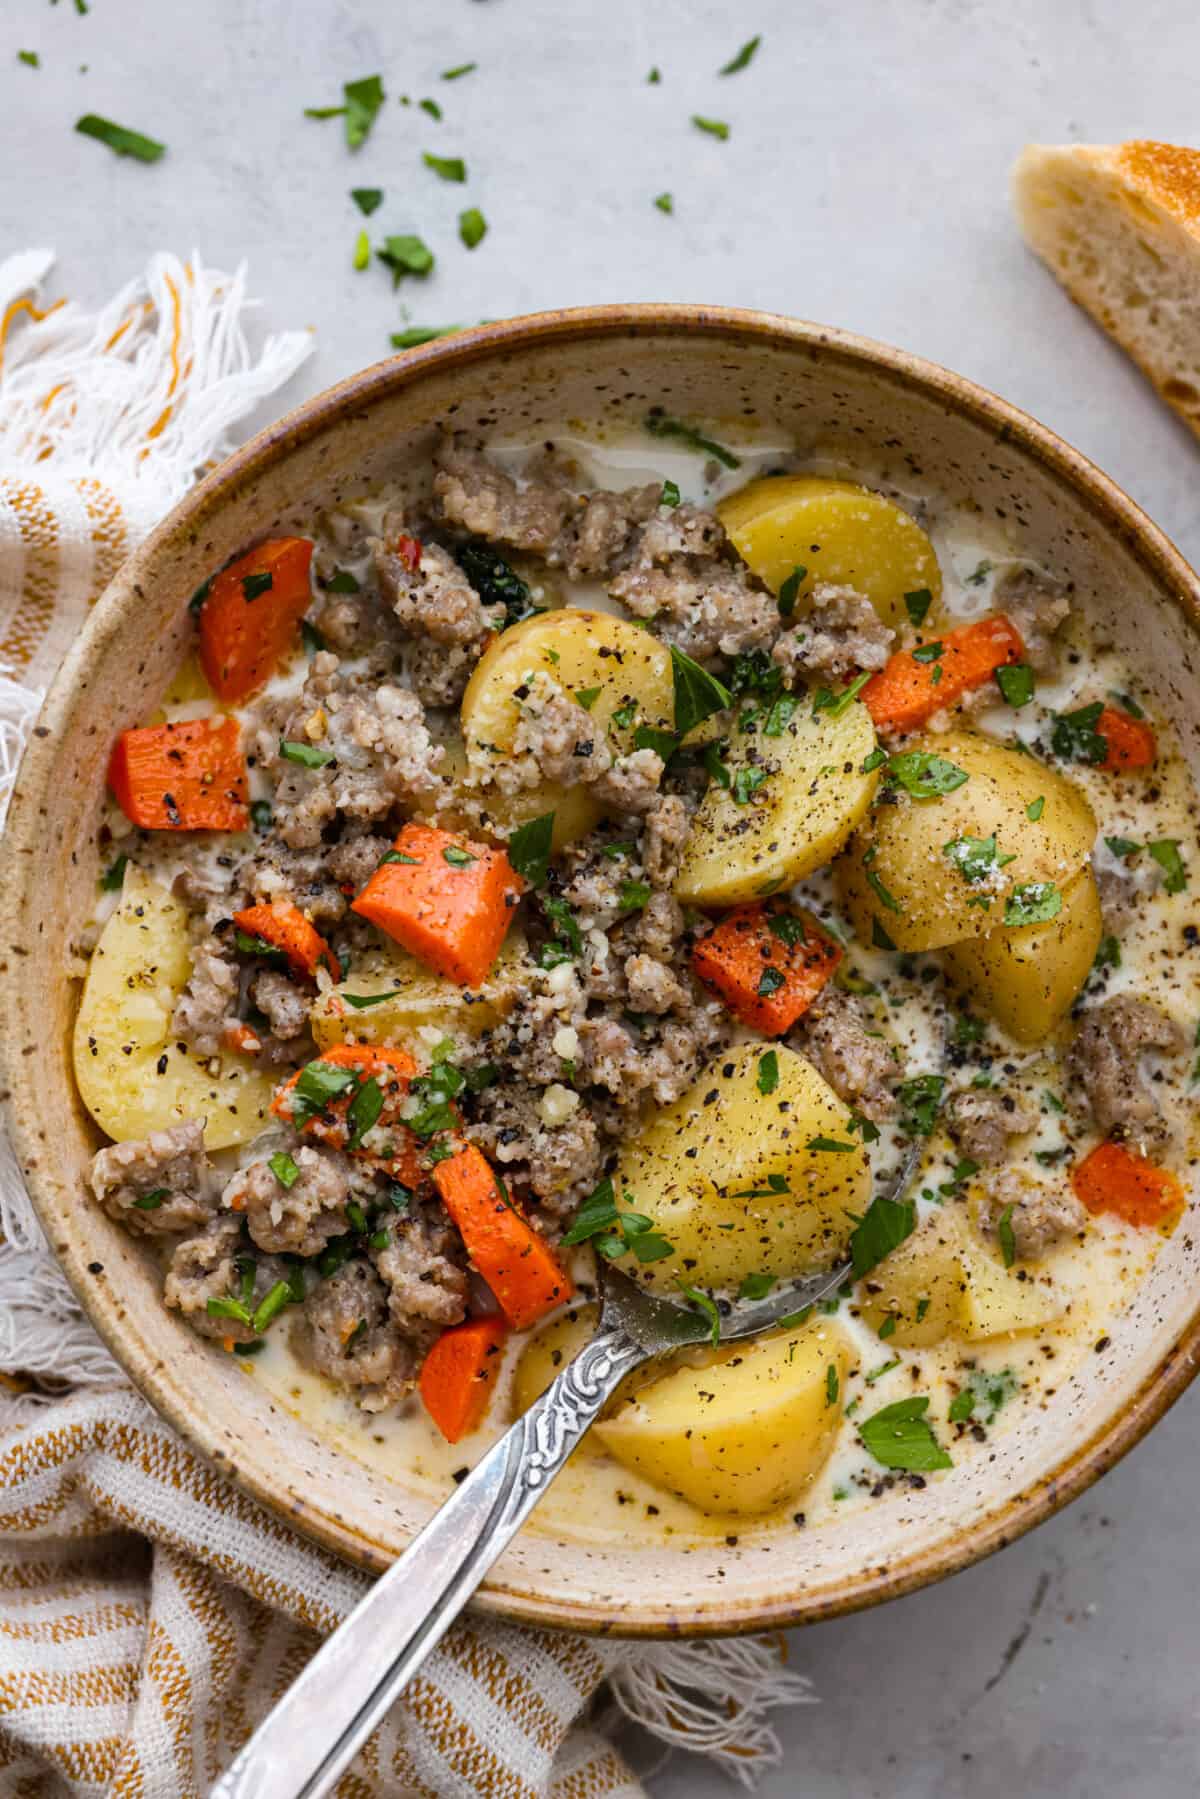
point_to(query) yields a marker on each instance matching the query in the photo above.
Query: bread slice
(1119, 224)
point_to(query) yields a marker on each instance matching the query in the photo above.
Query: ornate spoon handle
(327, 1714)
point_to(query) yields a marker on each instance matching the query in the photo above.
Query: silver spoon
(347, 1688)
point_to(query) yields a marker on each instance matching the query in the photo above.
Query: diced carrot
(1115, 1179)
(285, 928)
(393, 1070)
(447, 900)
(907, 693)
(767, 965)
(183, 777)
(459, 1373)
(241, 1039)
(408, 549)
(249, 619)
(518, 1265)
(1131, 741)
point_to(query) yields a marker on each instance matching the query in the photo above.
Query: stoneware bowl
(828, 393)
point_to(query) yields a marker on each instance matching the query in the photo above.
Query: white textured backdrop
(864, 185)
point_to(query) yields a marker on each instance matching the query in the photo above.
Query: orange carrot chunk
(183, 777)
(1115, 1179)
(1131, 741)
(284, 927)
(249, 619)
(459, 1374)
(914, 685)
(518, 1265)
(334, 1122)
(447, 900)
(767, 965)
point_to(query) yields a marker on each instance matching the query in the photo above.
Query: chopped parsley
(363, 100)
(832, 1384)
(246, 945)
(450, 168)
(458, 858)
(113, 878)
(789, 591)
(120, 139)
(670, 495)
(1034, 902)
(746, 782)
(829, 1146)
(665, 202)
(658, 424)
(882, 1228)
(472, 226)
(876, 885)
(587, 696)
(261, 815)
(316, 1086)
(1006, 1237)
(1015, 681)
(704, 1302)
(768, 1072)
(634, 896)
(1035, 808)
(925, 775)
(697, 693)
(362, 1114)
(304, 754)
(568, 940)
(362, 1002)
(459, 70)
(714, 127)
(928, 652)
(1165, 851)
(529, 848)
(976, 858)
(789, 927)
(900, 1436)
(769, 982)
(405, 255)
(1123, 846)
(362, 250)
(875, 760)
(284, 1169)
(259, 583)
(835, 703)
(30, 58)
(783, 710)
(150, 1202)
(367, 199)
(917, 604)
(420, 334)
(495, 582)
(984, 1388)
(743, 59)
(342, 581)
(920, 1101)
(1075, 738)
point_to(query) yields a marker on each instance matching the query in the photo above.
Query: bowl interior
(825, 394)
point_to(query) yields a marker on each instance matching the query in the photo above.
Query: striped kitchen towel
(149, 1613)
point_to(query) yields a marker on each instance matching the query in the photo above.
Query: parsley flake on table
(472, 227)
(405, 255)
(362, 250)
(367, 199)
(714, 127)
(432, 108)
(30, 58)
(743, 59)
(421, 334)
(900, 1436)
(450, 168)
(665, 202)
(459, 70)
(120, 139)
(363, 100)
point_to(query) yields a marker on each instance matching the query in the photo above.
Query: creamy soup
(632, 847)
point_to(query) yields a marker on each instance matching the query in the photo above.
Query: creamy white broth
(596, 1499)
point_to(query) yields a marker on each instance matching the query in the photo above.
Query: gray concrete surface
(863, 184)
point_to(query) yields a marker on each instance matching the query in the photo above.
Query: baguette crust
(1119, 226)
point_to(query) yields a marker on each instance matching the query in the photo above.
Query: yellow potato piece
(131, 1073)
(617, 666)
(745, 1433)
(838, 531)
(902, 848)
(418, 1000)
(919, 1286)
(942, 1282)
(705, 1169)
(1028, 979)
(814, 795)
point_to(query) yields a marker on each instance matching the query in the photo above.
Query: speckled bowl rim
(1113, 511)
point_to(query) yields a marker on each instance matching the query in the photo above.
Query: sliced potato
(617, 666)
(745, 1433)
(1029, 978)
(133, 1076)
(418, 1000)
(796, 820)
(1000, 1302)
(731, 1179)
(837, 531)
(902, 850)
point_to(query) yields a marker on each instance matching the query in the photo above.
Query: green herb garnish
(976, 858)
(743, 58)
(304, 754)
(924, 774)
(119, 138)
(1007, 1239)
(420, 334)
(882, 1228)
(917, 604)
(450, 168)
(714, 127)
(697, 693)
(659, 425)
(529, 848)
(665, 202)
(1075, 738)
(367, 199)
(789, 592)
(1165, 851)
(1034, 902)
(405, 255)
(920, 1100)
(150, 1202)
(900, 1436)
(113, 878)
(472, 226)
(1015, 681)
(458, 858)
(768, 1072)
(706, 1304)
